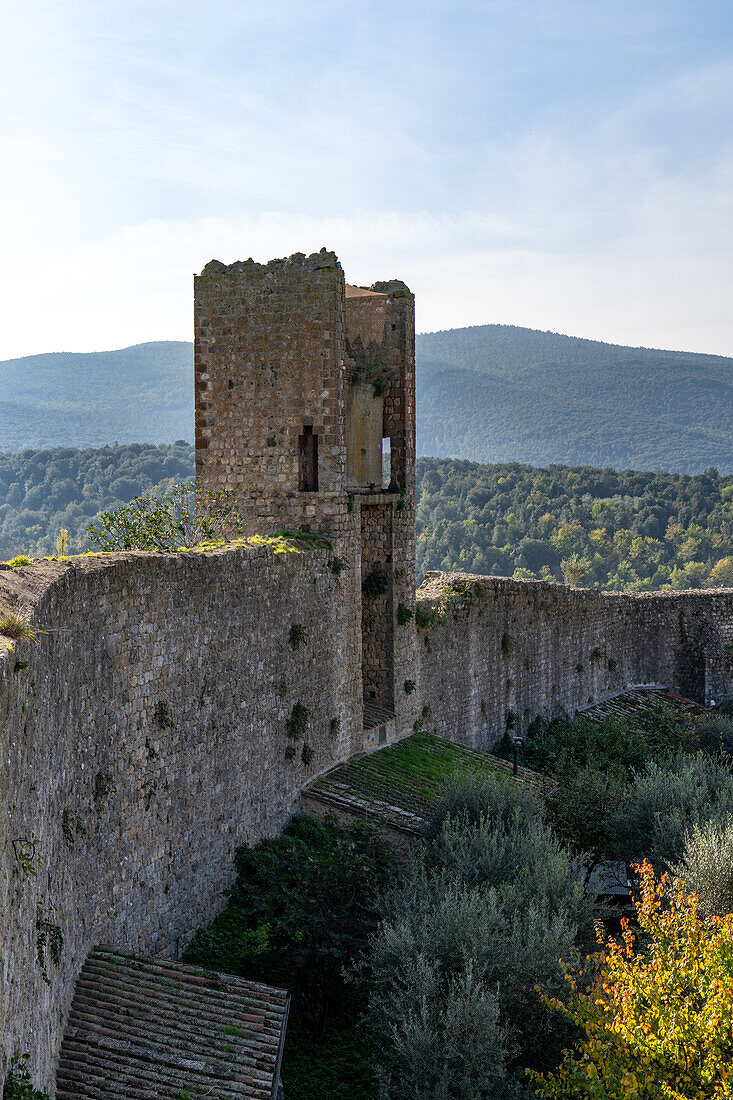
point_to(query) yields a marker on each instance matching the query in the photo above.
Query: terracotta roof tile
(149, 1030)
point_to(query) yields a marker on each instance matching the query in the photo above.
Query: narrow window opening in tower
(386, 462)
(308, 461)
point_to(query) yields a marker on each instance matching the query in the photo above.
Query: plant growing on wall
(17, 627)
(49, 941)
(297, 636)
(337, 566)
(18, 1083)
(404, 614)
(375, 583)
(181, 516)
(297, 724)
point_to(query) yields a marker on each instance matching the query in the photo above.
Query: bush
(560, 747)
(656, 1022)
(303, 906)
(446, 1039)
(706, 866)
(178, 517)
(488, 909)
(469, 799)
(664, 802)
(580, 809)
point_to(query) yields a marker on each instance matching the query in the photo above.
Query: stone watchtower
(305, 407)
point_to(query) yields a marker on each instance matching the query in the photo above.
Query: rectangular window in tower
(308, 461)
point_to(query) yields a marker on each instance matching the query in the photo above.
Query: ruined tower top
(304, 388)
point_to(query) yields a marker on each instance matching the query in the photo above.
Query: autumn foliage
(657, 1022)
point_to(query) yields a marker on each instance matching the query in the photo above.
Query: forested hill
(617, 530)
(625, 531)
(493, 393)
(64, 399)
(496, 393)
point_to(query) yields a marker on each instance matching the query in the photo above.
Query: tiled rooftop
(398, 785)
(636, 702)
(149, 1030)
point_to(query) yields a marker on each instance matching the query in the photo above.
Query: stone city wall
(143, 739)
(494, 654)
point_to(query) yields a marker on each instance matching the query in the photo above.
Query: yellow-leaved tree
(657, 1022)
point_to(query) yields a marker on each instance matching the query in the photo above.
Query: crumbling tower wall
(305, 408)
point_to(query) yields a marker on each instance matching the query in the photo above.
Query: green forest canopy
(629, 530)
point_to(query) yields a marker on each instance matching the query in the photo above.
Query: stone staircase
(148, 1030)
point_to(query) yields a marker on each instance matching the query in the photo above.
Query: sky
(558, 164)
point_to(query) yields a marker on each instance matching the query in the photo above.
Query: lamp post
(516, 745)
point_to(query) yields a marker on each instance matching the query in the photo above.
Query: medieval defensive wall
(174, 705)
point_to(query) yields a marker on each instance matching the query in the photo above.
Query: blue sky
(559, 164)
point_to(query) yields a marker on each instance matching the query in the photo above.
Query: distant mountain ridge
(143, 393)
(497, 393)
(490, 393)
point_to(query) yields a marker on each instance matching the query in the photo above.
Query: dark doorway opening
(377, 631)
(308, 461)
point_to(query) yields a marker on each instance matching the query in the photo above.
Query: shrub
(706, 866)
(446, 1038)
(580, 808)
(17, 562)
(488, 909)
(303, 906)
(655, 1022)
(560, 747)
(179, 517)
(469, 800)
(666, 800)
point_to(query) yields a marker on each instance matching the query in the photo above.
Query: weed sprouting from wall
(162, 715)
(337, 566)
(18, 1083)
(410, 686)
(49, 941)
(27, 860)
(307, 753)
(375, 583)
(17, 627)
(404, 614)
(508, 643)
(297, 636)
(297, 724)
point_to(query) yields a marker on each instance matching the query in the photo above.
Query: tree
(302, 909)
(706, 866)
(574, 569)
(656, 1021)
